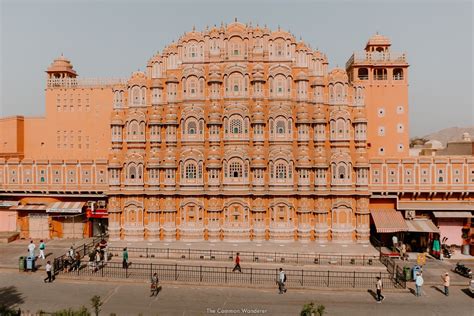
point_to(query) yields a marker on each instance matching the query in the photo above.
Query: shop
(420, 234)
(97, 220)
(385, 224)
(451, 225)
(8, 218)
(67, 220)
(32, 220)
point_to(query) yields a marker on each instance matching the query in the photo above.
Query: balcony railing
(83, 82)
(376, 57)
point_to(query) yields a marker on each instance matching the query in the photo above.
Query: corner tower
(384, 74)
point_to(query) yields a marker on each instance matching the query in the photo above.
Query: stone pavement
(310, 247)
(132, 298)
(10, 253)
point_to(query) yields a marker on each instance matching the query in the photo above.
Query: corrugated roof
(388, 221)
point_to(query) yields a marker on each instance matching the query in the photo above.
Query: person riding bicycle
(154, 284)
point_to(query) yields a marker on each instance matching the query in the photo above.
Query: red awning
(388, 221)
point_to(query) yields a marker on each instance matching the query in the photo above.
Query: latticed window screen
(281, 171)
(190, 171)
(235, 170)
(236, 126)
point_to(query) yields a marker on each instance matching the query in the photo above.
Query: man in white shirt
(31, 248)
(48, 269)
(281, 282)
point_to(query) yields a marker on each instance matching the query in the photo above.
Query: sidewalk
(263, 246)
(54, 248)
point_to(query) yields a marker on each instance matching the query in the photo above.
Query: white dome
(435, 144)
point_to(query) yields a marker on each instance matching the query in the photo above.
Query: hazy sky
(115, 38)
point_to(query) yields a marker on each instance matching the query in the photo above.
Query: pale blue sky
(114, 38)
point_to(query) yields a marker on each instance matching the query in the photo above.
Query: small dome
(378, 39)
(302, 76)
(155, 117)
(434, 144)
(359, 115)
(319, 115)
(61, 64)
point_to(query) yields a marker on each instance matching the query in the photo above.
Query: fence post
(102, 271)
(354, 283)
(296, 258)
(146, 252)
(302, 277)
(319, 260)
(200, 273)
(168, 255)
(84, 246)
(328, 278)
(251, 274)
(176, 272)
(151, 270)
(341, 260)
(189, 253)
(225, 273)
(363, 260)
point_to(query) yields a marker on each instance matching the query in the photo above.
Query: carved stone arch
(133, 202)
(244, 203)
(281, 153)
(283, 69)
(191, 154)
(238, 109)
(194, 201)
(341, 156)
(236, 152)
(233, 68)
(339, 113)
(342, 203)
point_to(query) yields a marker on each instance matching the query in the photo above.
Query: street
(28, 291)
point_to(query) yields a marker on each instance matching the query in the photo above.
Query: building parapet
(84, 82)
(376, 57)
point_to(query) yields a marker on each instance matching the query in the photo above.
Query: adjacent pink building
(233, 133)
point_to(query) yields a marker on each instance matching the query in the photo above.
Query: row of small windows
(400, 148)
(57, 176)
(379, 73)
(67, 103)
(381, 111)
(424, 175)
(72, 139)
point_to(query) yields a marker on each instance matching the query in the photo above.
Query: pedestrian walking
(125, 258)
(446, 281)
(418, 284)
(237, 264)
(31, 249)
(42, 247)
(281, 281)
(48, 272)
(379, 287)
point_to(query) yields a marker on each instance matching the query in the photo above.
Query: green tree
(311, 310)
(96, 304)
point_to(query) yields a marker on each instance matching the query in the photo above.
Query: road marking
(282, 245)
(343, 245)
(109, 295)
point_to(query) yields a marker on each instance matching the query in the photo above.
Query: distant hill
(450, 134)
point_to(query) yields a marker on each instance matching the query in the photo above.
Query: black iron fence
(83, 250)
(248, 256)
(224, 275)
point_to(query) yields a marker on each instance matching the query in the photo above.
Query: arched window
(236, 126)
(235, 170)
(132, 172)
(341, 172)
(280, 171)
(363, 74)
(192, 88)
(398, 74)
(133, 128)
(192, 128)
(136, 95)
(280, 127)
(190, 171)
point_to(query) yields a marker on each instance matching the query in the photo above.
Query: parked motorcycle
(463, 270)
(447, 253)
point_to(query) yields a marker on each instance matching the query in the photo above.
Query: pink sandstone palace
(233, 133)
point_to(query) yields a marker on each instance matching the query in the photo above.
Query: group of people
(99, 256)
(72, 260)
(32, 247)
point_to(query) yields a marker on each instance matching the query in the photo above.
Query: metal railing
(84, 249)
(249, 256)
(224, 275)
(395, 270)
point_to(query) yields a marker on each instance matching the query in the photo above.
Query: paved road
(29, 292)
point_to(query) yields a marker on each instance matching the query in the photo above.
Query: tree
(96, 304)
(310, 310)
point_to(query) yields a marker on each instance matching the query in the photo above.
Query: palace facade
(233, 133)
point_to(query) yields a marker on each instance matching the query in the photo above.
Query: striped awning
(65, 207)
(421, 225)
(30, 207)
(8, 203)
(388, 221)
(452, 214)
